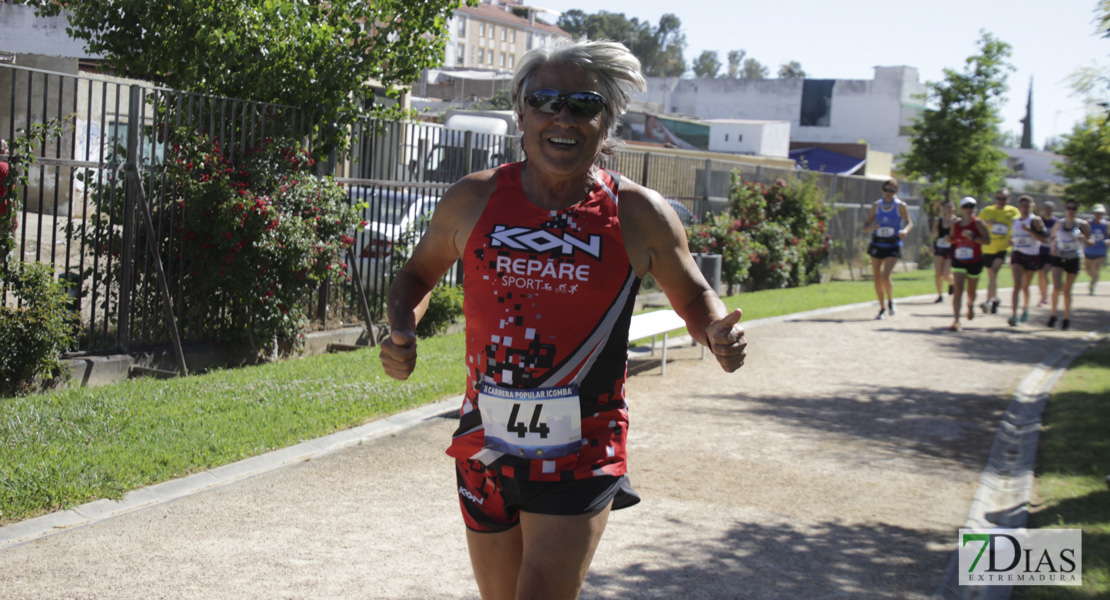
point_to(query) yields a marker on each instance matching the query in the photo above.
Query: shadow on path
(955, 426)
(756, 560)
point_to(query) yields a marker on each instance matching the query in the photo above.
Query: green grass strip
(64, 448)
(1073, 463)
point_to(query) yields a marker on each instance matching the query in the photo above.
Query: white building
(748, 136)
(879, 111)
(1034, 165)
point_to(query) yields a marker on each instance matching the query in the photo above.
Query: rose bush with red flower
(252, 233)
(773, 236)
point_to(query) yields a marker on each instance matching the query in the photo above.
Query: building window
(504, 33)
(491, 58)
(816, 102)
(502, 60)
(462, 26)
(726, 137)
(512, 61)
(482, 30)
(512, 36)
(481, 55)
(528, 41)
(461, 53)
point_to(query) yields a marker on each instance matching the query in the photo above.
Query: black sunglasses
(581, 104)
(1071, 208)
(889, 190)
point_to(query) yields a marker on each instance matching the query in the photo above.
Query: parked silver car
(387, 215)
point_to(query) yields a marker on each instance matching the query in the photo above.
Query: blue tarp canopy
(826, 161)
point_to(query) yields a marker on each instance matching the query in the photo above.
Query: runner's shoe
(994, 306)
(986, 306)
(1025, 316)
(1043, 302)
(1052, 321)
(890, 307)
(954, 326)
(881, 315)
(1065, 324)
(939, 300)
(1012, 321)
(970, 312)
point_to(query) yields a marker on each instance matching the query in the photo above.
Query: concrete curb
(103, 510)
(1006, 485)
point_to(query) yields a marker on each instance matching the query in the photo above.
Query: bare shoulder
(459, 209)
(653, 235)
(469, 194)
(641, 207)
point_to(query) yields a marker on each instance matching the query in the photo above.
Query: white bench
(660, 322)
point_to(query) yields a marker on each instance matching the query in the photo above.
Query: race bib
(1068, 246)
(1023, 241)
(1000, 228)
(965, 253)
(539, 423)
(885, 232)
(943, 243)
(1098, 236)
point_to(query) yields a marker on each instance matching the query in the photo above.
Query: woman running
(1095, 254)
(967, 238)
(1026, 234)
(1068, 234)
(942, 249)
(889, 223)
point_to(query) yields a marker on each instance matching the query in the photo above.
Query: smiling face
(562, 145)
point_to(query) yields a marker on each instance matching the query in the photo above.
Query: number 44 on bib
(540, 423)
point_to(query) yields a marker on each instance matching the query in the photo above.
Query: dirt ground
(838, 463)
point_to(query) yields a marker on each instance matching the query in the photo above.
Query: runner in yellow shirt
(999, 219)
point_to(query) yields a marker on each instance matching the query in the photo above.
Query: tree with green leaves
(791, 70)
(955, 143)
(753, 69)
(1088, 145)
(1088, 166)
(318, 55)
(659, 48)
(735, 58)
(707, 65)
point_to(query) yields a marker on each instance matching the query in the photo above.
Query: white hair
(618, 71)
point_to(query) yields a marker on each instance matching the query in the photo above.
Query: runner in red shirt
(553, 251)
(967, 238)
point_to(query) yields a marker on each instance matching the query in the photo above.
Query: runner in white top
(1026, 234)
(1068, 235)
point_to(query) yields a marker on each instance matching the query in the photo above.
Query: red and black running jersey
(966, 249)
(548, 300)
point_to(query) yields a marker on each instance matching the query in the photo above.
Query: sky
(1050, 39)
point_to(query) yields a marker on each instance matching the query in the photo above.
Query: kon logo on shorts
(542, 241)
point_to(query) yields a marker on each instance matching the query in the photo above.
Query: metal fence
(399, 170)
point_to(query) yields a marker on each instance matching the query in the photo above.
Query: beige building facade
(495, 35)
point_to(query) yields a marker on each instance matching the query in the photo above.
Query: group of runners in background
(966, 244)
